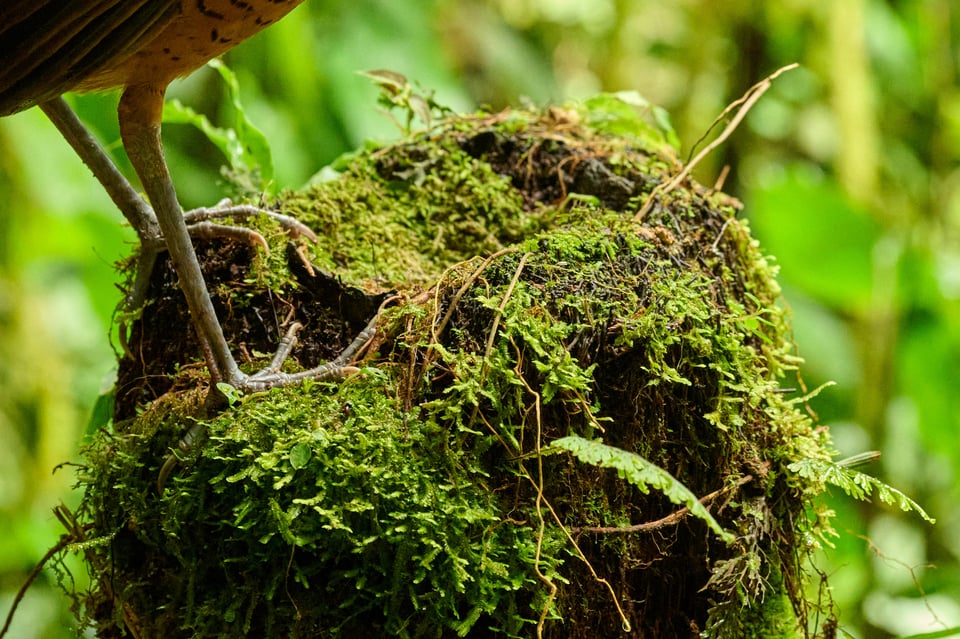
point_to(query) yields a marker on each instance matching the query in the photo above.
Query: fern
(856, 484)
(639, 472)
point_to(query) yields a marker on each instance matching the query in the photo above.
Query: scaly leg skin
(139, 112)
(140, 215)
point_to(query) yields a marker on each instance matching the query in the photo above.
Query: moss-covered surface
(522, 302)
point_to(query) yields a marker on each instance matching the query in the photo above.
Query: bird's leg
(134, 208)
(140, 215)
(139, 111)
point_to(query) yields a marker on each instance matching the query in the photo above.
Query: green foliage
(639, 472)
(627, 114)
(398, 93)
(362, 489)
(231, 394)
(775, 618)
(355, 212)
(246, 149)
(561, 375)
(102, 412)
(382, 528)
(415, 498)
(854, 483)
(883, 103)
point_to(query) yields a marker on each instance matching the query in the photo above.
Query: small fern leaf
(856, 484)
(639, 472)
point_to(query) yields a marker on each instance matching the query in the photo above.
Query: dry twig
(745, 103)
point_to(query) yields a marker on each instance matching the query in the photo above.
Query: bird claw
(200, 224)
(271, 377)
(226, 208)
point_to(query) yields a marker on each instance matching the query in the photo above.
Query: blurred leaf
(388, 80)
(397, 92)
(824, 243)
(928, 367)
(102, 413)
(889, 45)
(629, 114)
(919, 284)
(936, 634)
(244, 146)
(255, 145)
(826, 342)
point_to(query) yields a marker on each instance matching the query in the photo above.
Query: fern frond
(856, 484)
(639, 472)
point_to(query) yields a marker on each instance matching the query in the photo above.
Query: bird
(51, 47)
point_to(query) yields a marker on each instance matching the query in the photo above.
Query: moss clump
(316, 511)
(428, 494)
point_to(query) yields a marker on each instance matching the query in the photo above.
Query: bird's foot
(271, 377)
(201, 224)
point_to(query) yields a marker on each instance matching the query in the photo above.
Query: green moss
(413, 499)
(746, 616)
(398, 219)
(377, 523)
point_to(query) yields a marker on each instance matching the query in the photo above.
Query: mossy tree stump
(571, 422)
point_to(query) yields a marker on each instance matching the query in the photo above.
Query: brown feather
(48, 47)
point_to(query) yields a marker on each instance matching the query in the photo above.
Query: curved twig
(745, 103)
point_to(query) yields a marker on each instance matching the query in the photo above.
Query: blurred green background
(849, 168)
